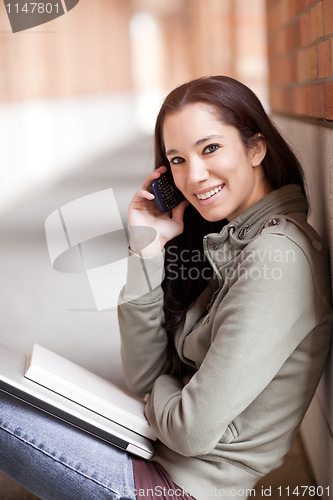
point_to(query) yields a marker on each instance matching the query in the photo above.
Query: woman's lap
(56, 461)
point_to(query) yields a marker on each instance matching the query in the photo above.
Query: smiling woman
(225, 317)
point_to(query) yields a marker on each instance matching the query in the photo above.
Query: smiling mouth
(209, 194)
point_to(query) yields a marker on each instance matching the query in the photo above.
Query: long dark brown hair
(238, 106)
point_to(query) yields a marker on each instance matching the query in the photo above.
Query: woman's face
(217, 174)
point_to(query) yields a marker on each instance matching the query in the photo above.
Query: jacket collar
(285, 200)
(223, 247)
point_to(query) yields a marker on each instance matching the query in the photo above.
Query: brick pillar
(300, 41)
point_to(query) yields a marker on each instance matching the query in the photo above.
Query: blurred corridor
(91, 79)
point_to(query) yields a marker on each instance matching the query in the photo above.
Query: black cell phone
(167, 195)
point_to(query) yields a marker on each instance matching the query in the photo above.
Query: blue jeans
(54, 460)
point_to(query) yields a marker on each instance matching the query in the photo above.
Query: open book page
(87, 389)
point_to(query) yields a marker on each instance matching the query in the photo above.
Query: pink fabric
(153, 482)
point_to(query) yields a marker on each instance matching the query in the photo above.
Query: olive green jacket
(256, 340)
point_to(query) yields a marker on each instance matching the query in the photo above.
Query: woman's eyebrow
(205, 139)
(200, 141)
(171, 152)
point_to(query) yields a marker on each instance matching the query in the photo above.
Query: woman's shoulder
(291, 240)
(294, 230)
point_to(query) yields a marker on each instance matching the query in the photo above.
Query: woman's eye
(211, 148)
(176, 160)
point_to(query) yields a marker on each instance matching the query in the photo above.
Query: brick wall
(300, 44)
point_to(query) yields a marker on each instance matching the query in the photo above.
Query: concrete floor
(57, 310)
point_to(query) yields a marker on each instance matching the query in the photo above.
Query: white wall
(314, 145)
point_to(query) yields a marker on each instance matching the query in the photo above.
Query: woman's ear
(258, 150)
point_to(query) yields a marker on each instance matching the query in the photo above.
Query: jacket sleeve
(140, 315)
(257, 325)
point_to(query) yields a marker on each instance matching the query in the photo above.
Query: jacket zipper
(212, 263)
(216, 271)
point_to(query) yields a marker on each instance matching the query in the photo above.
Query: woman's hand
(143, 213)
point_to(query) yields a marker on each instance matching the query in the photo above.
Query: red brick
(275, 99)
(284, 72)
(324, 59)
(302, 100)
(307, 97)
(295, 7)
(297, 100)
(271, 73)
(307, 64)
(277, 44)
(305, 29)
(271, 23)
(280, 99)
(287, 69)
(317, 23)
(301, 66)
(274, 72)
(269, 4)
(328, 17)
(284, 11)
(312, 63)
(329, 101)
(293, 67)
(280, 71)
(281, 42)
(318, 101)
(293, 36)
(275, 17)
(286, 101)
(270, 48)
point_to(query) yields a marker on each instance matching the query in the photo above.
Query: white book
(77, 384)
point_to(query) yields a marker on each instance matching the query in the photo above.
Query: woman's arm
(140, 316)
(140, 310)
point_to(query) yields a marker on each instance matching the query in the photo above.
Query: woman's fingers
(144, 192)
(154, 175)
(140, 198)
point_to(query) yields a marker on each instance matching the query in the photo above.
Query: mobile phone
(167, 195)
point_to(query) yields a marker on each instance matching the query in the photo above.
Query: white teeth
(207, 195)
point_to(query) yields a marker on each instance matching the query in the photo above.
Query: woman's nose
(197, 171)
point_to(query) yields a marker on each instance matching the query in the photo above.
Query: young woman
(231, 347)
(225, 317)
